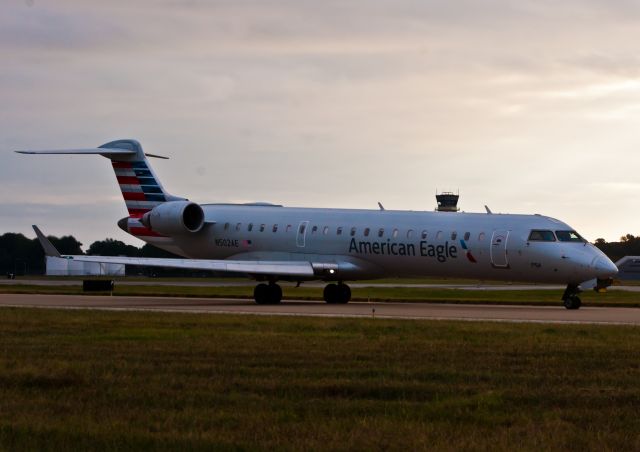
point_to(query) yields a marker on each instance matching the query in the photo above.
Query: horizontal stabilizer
(88, 151)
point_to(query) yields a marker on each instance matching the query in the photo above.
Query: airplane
(272, 243)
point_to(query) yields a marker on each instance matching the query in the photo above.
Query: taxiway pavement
(541, 314)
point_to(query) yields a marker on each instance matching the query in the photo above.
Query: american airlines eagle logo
(468, 253)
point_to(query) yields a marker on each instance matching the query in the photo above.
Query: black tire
(261, 294)
(330, 293)
(344, 294)
(275, 293)
(572, 302)
(577, 302)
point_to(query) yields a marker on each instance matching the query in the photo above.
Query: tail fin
(140, 187)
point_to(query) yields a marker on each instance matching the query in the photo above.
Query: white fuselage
(377, 243)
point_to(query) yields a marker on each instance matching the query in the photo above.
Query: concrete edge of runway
(359, 310)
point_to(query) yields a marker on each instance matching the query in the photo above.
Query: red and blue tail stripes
(140, 190)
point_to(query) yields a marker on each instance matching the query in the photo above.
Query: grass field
(74, 380)
(380, 294)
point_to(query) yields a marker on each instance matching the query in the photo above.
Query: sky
(526, 106)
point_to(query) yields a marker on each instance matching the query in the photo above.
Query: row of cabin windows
(395, 233)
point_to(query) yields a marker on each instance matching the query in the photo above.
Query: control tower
(447, 202)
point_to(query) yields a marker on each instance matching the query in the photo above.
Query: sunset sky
(526, 106)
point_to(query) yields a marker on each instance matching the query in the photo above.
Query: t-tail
(142, 191)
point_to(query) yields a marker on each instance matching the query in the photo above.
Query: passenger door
(499, 241)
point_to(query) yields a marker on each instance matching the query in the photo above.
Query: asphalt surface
(353, 285)
(540, 314)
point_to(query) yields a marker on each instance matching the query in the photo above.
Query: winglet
(47, 246)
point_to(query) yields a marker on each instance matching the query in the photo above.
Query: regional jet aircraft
(273, 243)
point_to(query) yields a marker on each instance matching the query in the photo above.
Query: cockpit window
(541, 236)
(569, 236)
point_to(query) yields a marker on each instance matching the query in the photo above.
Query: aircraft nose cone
(605, 268)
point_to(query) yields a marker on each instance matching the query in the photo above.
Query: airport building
(58, 266)
(628, 268)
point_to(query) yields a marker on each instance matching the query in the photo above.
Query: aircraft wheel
(275, 293)
(267, 293)
(572, 302)
(344, 293)
(331, 293)
(261, 294)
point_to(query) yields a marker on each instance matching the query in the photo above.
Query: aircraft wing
(280, 268)
(276, 268)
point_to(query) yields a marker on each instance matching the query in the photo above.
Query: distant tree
(20, 255)
(599, 242)
(152, 251)
(111, 247)
(66, 244)
(628, 238)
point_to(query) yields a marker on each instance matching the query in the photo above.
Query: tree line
(21, 255)
(24, 256)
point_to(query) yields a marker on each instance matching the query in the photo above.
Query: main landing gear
(272, 293)
(337, 293)
(267, 293)
(570, 297)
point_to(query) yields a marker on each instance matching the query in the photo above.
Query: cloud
(326, 103)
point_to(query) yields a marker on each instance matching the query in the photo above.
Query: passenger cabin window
(394, 234)
(325, 230)
(366, 232)
(353, 232)
(250, 227)
(314, 229)
(339, 230)
(569, 236)
(275, 228)
(226, 226)
(410, 234)
(238, 226)
(454, 234)
(439, 235)
(423, 235)
(538, 235)
(262, 226)
(302, 228)
(481, 237)
(380, 232)
(467, 235)
(288, 228)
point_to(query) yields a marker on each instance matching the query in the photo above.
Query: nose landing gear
(570, 297)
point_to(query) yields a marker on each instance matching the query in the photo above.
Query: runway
(424, 311)
(353, 285)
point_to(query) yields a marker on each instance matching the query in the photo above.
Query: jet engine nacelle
(174, 217)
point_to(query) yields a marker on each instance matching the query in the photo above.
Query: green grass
(379, 294)
(73, 380)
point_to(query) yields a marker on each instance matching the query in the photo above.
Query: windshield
(569, 236)
(542, 236)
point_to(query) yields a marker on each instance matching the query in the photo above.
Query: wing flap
(288, 268)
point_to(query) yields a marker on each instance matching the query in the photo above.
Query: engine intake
(174, 217)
